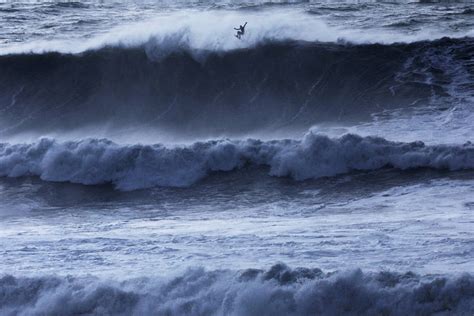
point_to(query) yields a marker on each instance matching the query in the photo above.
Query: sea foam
(277, 291)
(130, 167)
(213, 30)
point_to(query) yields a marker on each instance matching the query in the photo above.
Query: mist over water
(151, 162)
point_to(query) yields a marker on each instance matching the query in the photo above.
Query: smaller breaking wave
(277, 291)
(131, 167)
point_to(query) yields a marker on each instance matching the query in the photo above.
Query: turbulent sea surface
(153, 164)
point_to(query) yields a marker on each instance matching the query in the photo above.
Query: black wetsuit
(240, 31)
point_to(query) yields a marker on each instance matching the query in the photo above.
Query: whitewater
(153, 164)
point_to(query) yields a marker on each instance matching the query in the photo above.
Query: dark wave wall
(272, 85)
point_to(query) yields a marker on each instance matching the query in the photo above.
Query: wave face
(278, 291)
(272, 85)
(98, 161)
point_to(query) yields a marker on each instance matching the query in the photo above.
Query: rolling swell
(99, 161)
(277, 291)
(274, 84)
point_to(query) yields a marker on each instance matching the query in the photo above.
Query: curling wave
(278, 291)
(98, 161)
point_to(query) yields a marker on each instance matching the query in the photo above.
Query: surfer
(240, 30)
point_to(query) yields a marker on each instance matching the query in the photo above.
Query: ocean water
(153, 164)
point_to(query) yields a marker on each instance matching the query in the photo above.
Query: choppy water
(151, 163)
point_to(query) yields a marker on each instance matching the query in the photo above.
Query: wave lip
(197, 30)
(130, 167)
(277, 291)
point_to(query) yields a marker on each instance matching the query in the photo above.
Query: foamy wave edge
(131, 167)
(277, 291)
(196, 32)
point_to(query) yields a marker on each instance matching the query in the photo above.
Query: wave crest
(278, 291)
(98, 161)
(213, 30)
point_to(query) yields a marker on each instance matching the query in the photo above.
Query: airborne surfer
(240, 31)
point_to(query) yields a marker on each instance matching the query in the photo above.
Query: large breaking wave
(98, 161)
(278, 291)
(272, 85)
(213, 30)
